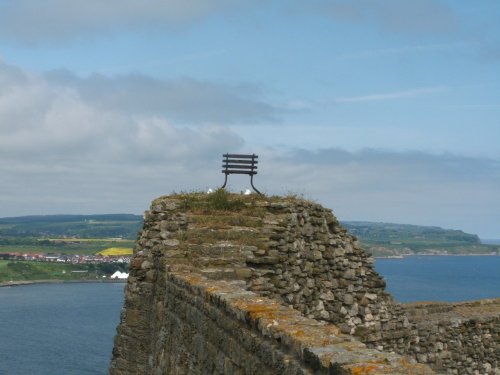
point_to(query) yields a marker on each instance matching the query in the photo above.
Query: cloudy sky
(383, 110)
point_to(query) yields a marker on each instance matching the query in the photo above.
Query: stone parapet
(230, 284)
(202, 326)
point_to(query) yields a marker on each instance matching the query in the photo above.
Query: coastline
(434, 255)
(32, 282)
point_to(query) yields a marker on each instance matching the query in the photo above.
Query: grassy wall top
(222, 200)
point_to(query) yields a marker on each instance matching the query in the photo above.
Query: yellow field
(116, 251)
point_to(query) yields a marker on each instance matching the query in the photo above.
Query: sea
(441, 278)
(52, 329)
(68, 329)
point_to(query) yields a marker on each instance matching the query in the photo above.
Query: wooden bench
(240, 164)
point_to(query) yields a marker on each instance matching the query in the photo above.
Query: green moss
(227, 221)
(209, 235)
(219, 201)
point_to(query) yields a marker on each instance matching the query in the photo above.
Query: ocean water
(441, 278)
(52, 329)
(68, 329)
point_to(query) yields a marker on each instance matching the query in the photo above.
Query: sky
(382, 110)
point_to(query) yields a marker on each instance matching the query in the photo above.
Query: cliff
(229, 284)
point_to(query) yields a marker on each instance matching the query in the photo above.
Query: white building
(119, 275)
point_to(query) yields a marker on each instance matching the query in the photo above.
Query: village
(64, 258)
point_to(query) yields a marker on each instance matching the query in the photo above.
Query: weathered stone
(328, 296)
(171, 243)
(348, 299)
(295, 254)
(317, 255)
(262, 260)
(135, 263)
(244, 273)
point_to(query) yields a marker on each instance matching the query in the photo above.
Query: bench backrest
(239, 164)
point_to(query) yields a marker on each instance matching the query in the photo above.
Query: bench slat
(240, 156)
(230, 166)
(240, 161)
(238, 172)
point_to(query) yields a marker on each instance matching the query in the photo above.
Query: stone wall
(289, 251)
(312, 264)
(460, 338)
(200, 326)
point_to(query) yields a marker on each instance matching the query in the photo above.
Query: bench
(240, 164)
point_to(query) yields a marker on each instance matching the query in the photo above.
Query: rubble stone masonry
(235, 284)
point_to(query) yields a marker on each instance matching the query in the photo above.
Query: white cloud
(392, 95)
(408, 50)
(66, 147)
(183, 100)
(57, 146)
(401, 16)
(59, 114)
(34, 21)
(403, 187)
(305, 105)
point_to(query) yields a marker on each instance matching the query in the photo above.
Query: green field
(64, 235)
(124, 226)
(68, 234)
(386, 239)
(90, 234)
(34, 271)
(65, 247)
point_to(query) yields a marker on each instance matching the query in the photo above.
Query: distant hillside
(82, 226)
(385, 239)
(28, 233)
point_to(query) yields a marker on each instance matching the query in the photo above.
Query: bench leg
(225, 182)
(251, 182)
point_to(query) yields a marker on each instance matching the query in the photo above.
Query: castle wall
(292, 254)
(203, 326)
(459, 338)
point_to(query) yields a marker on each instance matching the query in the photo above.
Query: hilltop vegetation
(64, 235)
(35, 271)
(123, 226)
(68, 234)
(386, 239)
(90, 234)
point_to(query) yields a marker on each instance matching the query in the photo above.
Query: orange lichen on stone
(382, 367)
(192, 279)
(331, 329)
(414, 369)
(299, 333)
(364, 369)
(258, 310)
(315, 338)
(352, 345)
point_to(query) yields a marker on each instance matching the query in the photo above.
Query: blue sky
(383, 110)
